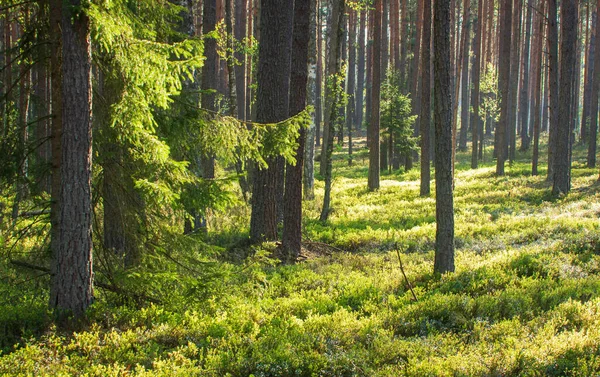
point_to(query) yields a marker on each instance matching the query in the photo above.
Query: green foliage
(523, 301)
(490, 101)
(396, 114)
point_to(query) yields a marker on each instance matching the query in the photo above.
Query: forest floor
(524, 300)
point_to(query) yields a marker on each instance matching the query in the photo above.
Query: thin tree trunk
(475, 119)
(334, 66)
(309, 156)
(537, 100)
(240, 57)
(503, 82)
(360, 80)
(374, 163)
(524, 96)
(319, 80)
(552, 39)
(593, 134)
(465, 85)
(425, 122)
(350, 107)
(589, 78)
(515, 55)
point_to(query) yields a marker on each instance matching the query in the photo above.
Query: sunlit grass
(524, 300)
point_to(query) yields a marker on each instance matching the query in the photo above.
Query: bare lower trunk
(71, 290)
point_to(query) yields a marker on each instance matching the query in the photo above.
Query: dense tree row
(127, 121)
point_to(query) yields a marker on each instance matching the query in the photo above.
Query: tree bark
(589, 79)
(425, 117)
(71, 291)
(350, 87)
(309, 155)
(272, 105)
(568, 51)
(374, 150)
(464, 83)
(503, 82)
(360, 80)
(593, 132)
(331, 112)
(524, 96)
(537, 99)
(292, 220)
(444, 237)
(476, 123)
(552, 38)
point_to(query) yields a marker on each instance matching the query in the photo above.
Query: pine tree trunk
(374, 147)
(568, 51)
(334, 66)
(444, 237)
(309, 155)
(272, 105)
(589, 78)
(524, 96)
(552, 38)
(360, 79)
(292, 220)
(425, 117)
(464, 97)
(476, 123)
(593, 132)
(350, 87)
(503, 82)
(240, 57)
(515, 55)
(537, 99)
(319, 84)
(71, 291)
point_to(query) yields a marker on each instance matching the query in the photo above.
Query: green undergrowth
(524, 300)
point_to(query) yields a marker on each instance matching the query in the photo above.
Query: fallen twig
(404, 274)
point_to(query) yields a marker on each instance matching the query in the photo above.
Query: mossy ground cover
(524, 300)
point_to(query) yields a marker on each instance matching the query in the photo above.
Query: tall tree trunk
(568, 51)
(405, 42)
(503, 82)
(350, 108)
(537, 99)
(319, 80)
(425, 122)
(309, 156)
(331, 112)
(465, 85)
(385, 46)
(292, 221)
(459, 63)
(369, 78)
(524, 96)
(515, 55)
(552, 39)
(71, 291)
(415, 86)
(593, 134)
(589, 79)
(240, 57)
(444, 214)
(272, 105)
(373, 182)
(360, 80)
(476, 122)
